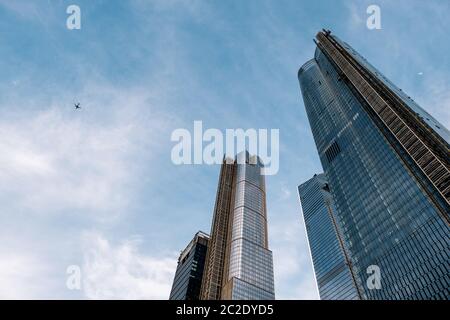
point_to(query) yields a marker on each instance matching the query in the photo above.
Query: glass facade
(330, 258)
(388, 170)
(215, 266)
(245, 262)
(189, 274)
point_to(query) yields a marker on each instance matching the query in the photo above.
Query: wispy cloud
(60, 159)
(122, 272)
(19, 276)
(356, 15)
(64, 170)
(292, 260)
(32, 11)
(291, 253)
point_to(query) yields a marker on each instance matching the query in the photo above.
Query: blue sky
(97, 188)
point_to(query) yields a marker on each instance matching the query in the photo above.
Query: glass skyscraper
(189, 274)
(239, 264)
(387, 162)
(334, 277)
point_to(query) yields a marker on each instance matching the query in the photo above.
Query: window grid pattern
(333, 275)
(428, 162)
(212, 282)
(245, 291)
(189, 274)
(386, 217)
(251, 263)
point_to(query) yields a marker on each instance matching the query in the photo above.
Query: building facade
(334, 277)
(388, 166)
(189, 273)
(239, 263)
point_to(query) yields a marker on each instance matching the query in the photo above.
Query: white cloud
(60, 159)
(21, 276)
(291, 259)
(61, 168)
(34, 11)
(285, 193)
(54, 164)
(357, 15)
(122, 272)
(23, 8)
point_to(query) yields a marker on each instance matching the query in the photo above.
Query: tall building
(239, 264)
(334, 277)
(388, 166)
(189, 274)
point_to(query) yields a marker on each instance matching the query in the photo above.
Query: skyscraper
(239, 264)
(388, 165)
(331, 264)
(189, 274)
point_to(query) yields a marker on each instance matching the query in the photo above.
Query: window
(332, 151)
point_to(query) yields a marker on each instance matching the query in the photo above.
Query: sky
(96, 187)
